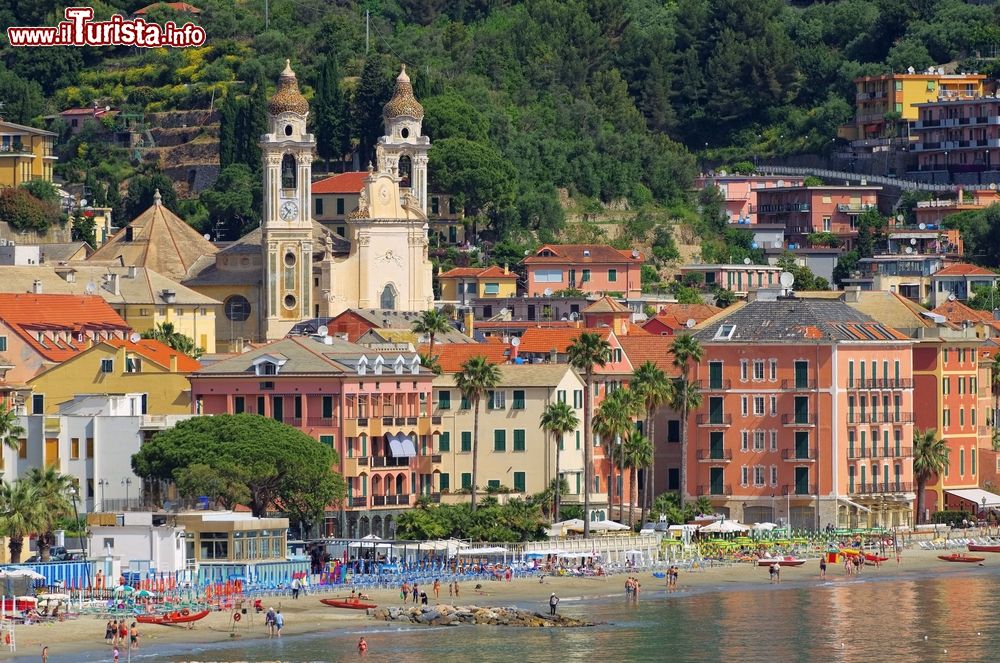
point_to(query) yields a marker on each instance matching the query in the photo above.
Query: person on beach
(775, 572)
(848, 565)
(269, 622)
(553, 602)
(133, 637)
(296, 586)
(822, 567)
(416, 593)
(109, 632)
(45, 655)
(362, 647)
(451, 589)
(404, 593)
(99, 579)
(116, 653)
(437, 589)
(456, 589)
(279, 623)
(122, 632)
(423, 598)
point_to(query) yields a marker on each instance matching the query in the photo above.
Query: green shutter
(328, 407)
(444, 400)
(466, 441)
(444, 442)
(465, 403)
(466, 480)
(444, 483)
(518, 399)
(519, 482)
(239, 405)
(499, 440)
(327, 440)
(493, 483)
(578, 440)
(518, 440)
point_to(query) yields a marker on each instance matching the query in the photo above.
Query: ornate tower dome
(403, 102)
(288, 98)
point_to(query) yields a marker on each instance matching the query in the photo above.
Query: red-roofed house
(960, 280)
(674, 317)
(463, 284)
(592, 268)
(75, 118)
(182, 7)
(39, 330)
(451, 356)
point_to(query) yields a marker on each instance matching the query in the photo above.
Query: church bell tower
(403, 150)
(287, 225)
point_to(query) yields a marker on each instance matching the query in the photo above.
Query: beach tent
(724, 527)
(489, 550)
(560, 528)
(606, 526)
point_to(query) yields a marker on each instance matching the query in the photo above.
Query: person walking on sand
(437, 589)
(296, 586)
(456, 589)
(269, 622)
(109, 632)
(362, 647)
(279, 623)
(451, 589)
(416, 593)
(553, 602)
(133, 635)
(822, 567)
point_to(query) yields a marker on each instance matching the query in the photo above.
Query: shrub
(953, 517)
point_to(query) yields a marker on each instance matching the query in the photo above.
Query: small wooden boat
(980, 547)
(184, 616)
(786, 561)
(350, 604)
(960, 557)
(869, 557)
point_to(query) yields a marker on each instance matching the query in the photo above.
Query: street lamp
(76, 514)
(102, 483)
(984, 516)
(127, 482)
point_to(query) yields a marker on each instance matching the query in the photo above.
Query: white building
(140, 542)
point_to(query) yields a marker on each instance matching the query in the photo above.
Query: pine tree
(371, 95)
(330, 112)
(113, 198)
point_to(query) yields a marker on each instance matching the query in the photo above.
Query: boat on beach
(176, 617)
(781, 561)
(350, 604)
(960, 557)
(982, 547)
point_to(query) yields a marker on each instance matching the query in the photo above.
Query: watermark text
(80, 30)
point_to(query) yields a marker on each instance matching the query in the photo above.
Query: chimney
(36, 287)
(111, 284)
(506, 269)
(169, 296)
(470, 322)
(173, 362)
(852, 294)
(553, 355)
(132, 271)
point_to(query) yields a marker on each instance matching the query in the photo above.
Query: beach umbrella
(764, 527)
(124, 589)
(144, 594)
(20, 572)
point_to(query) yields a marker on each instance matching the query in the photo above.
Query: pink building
(592, 268)
(815, 209)
(370, 404)
(740, 191)
(960, 136)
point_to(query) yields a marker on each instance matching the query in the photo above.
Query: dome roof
(287, 98)
(403, 102)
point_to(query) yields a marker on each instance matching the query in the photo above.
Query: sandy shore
(307, 614)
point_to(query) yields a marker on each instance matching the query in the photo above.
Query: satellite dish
(993, 186)
(574, 316)
(515, 341)
(951, 297)
(90, 289)
(909, 249)
(564, 319)
(899, 217)
(635, 253)
(208, 237)
(135, 337)
(786, 279)
(83, 202)
(747, 261)
(913, 241)
(778, 243)
(690, 323)
(526, 252)
(504, 311)
(922, 226)
(323, 330)
(781, 182)
(547, 292)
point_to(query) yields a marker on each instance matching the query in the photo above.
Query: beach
(307, 615)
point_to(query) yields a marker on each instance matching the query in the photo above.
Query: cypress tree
(227, 131)
(371, 95)
(330, 112)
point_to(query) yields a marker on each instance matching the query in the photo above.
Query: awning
(402, 446)
(854, 504)
(976, 496)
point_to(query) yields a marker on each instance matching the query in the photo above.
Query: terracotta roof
(451, 356)
(491, 272)
(287, 98)
(158, 352)
(545, 340)
(958, 312)
(159, 240)
(176, 6)
(526, 324)
(963, 269)
(607, 305)
(348, 183)
(574, 253)
(68, 315)
(697, 312)
(523, 375)
(640, 349)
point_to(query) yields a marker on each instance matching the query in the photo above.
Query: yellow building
(462, 284)
(142, 297)
(121, 366)
(25, 154)
(878, 96)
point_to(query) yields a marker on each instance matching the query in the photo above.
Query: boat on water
(869, 557)
(960, 557)
(983, 547)
(350, 604)
(184, 616)
(781, 561)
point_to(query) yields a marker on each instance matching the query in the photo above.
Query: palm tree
(430, 363)
(995, 368)
(930, 458)
(686, 397)
(53, 490)
(166, 334)
(432, 322)
(558, 419)
(585, 352)
(20, 515)
(613, 422)
(654, 388)
(638, 452)
(11, 430)
(476, 377)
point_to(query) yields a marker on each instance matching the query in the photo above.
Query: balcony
(715, 455)
(715, 385)
(891, 452)
(717, 489)
(799, 489)
(292, 421)
(881, 488)
(389, 461)
(799, 454)
(798, 384)
(361, 502)
(854, 209)
(880, 418)
(715, 420)
(403, 499)
(16, 148)
(799, 419)
(321, 422)
(779, 208)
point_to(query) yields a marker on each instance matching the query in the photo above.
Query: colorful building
(806, 416)
(592, 268)
(957, 136)
(959, 281)
(673, 318)
(931, 213)
(463, 285)
(371, 405)
(805, 210)
(740, 191)
(740, 278)
(26, 154)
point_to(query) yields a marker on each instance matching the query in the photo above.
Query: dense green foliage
(280, 468)
(518, 520)
(981, 233)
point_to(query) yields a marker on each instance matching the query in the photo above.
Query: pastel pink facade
(592, 268)
(740, 191)
(815, 209)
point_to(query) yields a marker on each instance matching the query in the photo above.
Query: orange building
(806, 416)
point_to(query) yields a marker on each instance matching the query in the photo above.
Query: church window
(405, 169)
(388, 299)
(289, 301)
(405, 133)
(288, 130)
(237, 308)
(289, 259)
(288, 172)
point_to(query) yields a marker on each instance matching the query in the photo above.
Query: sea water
(946, 615)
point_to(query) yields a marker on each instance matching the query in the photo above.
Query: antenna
(913, 241)
(322, 330)
(135, 337)
(90, 288)
(515, 341)
(787, 280)
(690, 323)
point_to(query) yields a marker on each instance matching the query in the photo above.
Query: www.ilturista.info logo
(79, 30)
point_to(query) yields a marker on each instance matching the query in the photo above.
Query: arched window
(288, 172)
(388, 299)
(405, 170)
